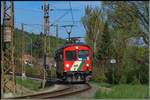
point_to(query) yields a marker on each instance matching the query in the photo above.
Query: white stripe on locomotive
(75, 65)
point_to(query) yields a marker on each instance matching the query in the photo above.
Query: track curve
(68, 91)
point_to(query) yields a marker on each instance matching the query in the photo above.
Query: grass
(103, 84)
(123, 91)
(30, 84)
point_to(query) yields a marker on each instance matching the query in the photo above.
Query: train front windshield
(70, 55)
(83, 55)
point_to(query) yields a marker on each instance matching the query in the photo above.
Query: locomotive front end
(77, 62)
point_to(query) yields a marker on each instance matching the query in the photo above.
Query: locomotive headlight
(67, 65)
(87, 65)
(76, 47)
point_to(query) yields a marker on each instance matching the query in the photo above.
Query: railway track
(70, 90)
(33, 77)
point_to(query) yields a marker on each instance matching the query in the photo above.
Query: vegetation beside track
(117, 30)
(34, 85)
(121, 91)
(30, 84)
(103, 84)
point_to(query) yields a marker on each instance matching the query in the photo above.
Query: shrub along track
(71, 89)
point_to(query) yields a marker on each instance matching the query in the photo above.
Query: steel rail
(55, 94)
(41, 95)
(68, 94)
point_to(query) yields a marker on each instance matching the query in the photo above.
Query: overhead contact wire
(71, 12)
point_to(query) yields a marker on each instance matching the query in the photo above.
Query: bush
(38, 71)
(108, 75)
(135, 81)
(98, 75)
(123, 79)
(18, 65)
(53, 72)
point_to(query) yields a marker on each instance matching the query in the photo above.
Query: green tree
(37, 47)
(93, 22)
(129, 22)
(103, 52)
(132, 16)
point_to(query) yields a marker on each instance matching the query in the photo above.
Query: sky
(30, 12)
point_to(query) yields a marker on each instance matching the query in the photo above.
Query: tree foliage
(93, 24)
(37, 44)
(131, 16)
(104, 46)
(119, 30)
(38, 47)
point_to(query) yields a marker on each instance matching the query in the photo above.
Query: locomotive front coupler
(69, 73)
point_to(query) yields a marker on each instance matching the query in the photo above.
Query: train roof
(72, 44)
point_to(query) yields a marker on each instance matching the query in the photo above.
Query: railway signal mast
(7, 44)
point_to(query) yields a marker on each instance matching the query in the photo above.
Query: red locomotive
(73, 62)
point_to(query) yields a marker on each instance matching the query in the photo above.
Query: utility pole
(44, 49)
(42, 19)
(57, 36)
(47, 27)
(7, 61)
(46, 44)
(43, 31)
(23, 66)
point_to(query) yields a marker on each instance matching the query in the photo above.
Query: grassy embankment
(33, 85)
(30, 84)
(122, 91)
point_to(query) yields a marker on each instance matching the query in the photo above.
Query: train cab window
(70, 55)
(83, 55)
(59, 57)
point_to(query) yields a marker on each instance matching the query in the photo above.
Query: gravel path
(53, 88)
(90, 93)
